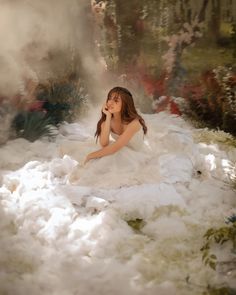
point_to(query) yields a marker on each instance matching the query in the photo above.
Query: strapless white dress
(165, 154)
(119, 169)
(135, 143)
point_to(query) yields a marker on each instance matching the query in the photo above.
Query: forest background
(177, 56)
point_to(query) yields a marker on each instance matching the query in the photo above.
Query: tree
(214, 25)
(130, 27)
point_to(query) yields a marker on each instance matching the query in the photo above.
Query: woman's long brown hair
(128, 110)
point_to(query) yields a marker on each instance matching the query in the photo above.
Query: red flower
(154, 86)
(208, 78)
(36, 106)
(168, 104)
(174, 109)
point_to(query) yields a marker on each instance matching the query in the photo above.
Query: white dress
(122, 168)
(164, 155)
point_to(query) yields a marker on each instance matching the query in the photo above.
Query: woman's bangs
(114, 95)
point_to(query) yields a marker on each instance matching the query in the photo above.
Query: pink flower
(36, 106)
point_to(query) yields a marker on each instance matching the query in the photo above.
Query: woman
(120, 118)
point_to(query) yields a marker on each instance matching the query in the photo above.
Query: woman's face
(114, 103)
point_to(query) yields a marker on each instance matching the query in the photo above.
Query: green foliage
(231, 218)
(233, 39)
(62, 98)
(58, 100)
(32, 125)
(136, 224)
(219, 291)
(217, 236)
(212, 101)
(219, 137)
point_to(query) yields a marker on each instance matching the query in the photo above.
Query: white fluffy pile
(63, 239)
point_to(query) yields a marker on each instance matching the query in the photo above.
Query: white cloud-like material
(58, 238)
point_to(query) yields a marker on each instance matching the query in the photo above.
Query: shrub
(57, 101)
(32, 125)
(212, 101)
(62, 99)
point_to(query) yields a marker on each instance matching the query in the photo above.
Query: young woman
(121, 120)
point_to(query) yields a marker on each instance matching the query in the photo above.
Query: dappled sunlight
(229, 168)
(211, 161)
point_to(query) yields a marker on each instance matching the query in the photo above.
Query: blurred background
(58, 59)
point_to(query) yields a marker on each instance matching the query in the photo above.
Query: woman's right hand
(105, 110)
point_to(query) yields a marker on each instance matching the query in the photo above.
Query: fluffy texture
(62, 238)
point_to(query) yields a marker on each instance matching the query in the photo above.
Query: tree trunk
(215, 20)
(130, 27)
(202, 14)
(189, 11)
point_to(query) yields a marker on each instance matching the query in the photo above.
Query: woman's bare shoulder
(135, 124)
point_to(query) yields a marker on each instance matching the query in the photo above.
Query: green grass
(194, 59)
(226, 29)
(197, 59)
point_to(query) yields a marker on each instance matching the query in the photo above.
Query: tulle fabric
(122, 168)
(165, 154)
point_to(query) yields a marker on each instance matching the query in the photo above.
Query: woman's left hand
(87, 159)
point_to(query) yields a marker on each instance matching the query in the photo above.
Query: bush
(57, 101)
(32, 125)
(62, 99)
(212, 101)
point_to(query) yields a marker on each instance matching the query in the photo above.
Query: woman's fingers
(105, 109)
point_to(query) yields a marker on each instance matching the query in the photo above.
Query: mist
(43, 39)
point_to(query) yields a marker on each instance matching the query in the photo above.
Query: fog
(44, 39)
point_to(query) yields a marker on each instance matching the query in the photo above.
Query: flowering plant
(177, 43)
(212, 100)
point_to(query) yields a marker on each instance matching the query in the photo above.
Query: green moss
(136, 224)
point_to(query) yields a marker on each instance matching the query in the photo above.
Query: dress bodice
(136, 142)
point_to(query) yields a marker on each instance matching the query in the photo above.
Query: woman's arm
(123, 139)
(105, 128)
